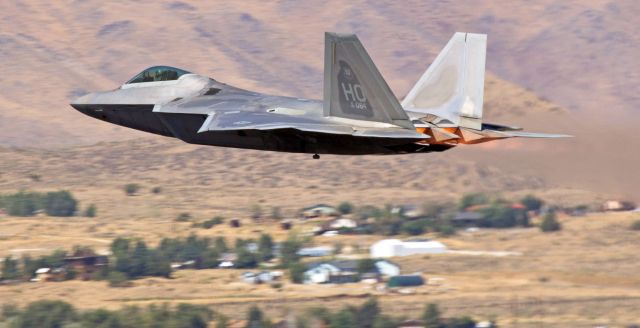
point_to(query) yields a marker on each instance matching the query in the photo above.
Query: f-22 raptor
(359, 113)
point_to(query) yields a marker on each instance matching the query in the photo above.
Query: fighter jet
(359, 113)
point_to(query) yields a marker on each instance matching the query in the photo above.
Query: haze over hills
(578, 55)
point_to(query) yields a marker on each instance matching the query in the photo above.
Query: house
(387, 268)
(407, 211)
(343, 223)
(405, 281)
(336, 272)
(86, 266)
(618, 205)
(346, 271)
(48, 274)
(395, 247)
(226, 265)
(320, 210)
(467, 219)
(319, 251)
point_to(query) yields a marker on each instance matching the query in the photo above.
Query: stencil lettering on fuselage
(353, 99)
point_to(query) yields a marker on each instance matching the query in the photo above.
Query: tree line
(133, 258)
(438, 216)
(54, 314)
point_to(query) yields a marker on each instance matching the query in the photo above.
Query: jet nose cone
(82, 100)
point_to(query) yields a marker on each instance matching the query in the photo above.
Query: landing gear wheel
(316, 156)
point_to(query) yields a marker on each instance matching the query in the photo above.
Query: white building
(395, 247)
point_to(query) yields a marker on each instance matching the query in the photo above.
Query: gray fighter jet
(359, 114)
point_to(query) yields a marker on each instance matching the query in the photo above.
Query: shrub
(256, 211)
(118, 279)
(276, 285)
(208, 224)
(156, 190)
(635, 225)
(446, 230)
(183, 217)
(91, 211)
(276, 214)
(345, 208)
(550, 223)
(131, 189)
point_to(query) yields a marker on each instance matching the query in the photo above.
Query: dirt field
(584, 275)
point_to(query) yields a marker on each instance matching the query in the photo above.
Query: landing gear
(316, 156)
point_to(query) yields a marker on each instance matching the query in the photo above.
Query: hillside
(578, 55)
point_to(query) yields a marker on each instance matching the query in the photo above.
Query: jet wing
(240, 120)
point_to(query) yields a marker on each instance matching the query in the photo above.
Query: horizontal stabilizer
(522, 134)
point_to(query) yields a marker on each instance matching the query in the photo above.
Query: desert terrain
(582, 276)
(569, 67)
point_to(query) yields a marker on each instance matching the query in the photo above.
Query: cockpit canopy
(158, 73)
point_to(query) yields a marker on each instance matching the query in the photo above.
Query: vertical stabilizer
(353, 86)
(452, 88)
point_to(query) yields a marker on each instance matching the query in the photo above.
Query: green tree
(221, 245)
(210, 258)
(343, 319)
(139, 260)
(414, 227)
(532, 203)
(256, 319)
(289, 251)
(245, 259)
(366, 266)
(100, 318)
(91, 211)
(431, 317)
(368, 313)
(296, 272)
(550, 223)
(265, 247)
(10, 269)
(472, 199)
(635, 225)
(22, 203)
(29, 267)
(345, 208)
(222, 322)
(158, 265)
(45, 314)
(461, 322)
(60, 203)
